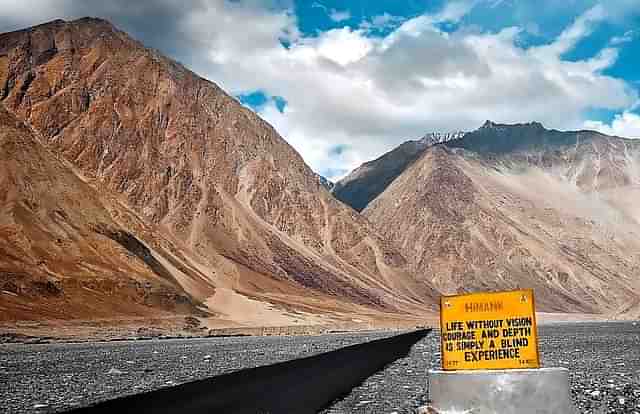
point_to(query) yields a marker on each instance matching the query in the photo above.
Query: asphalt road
(604, 361)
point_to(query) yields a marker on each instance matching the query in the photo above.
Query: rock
(191, 323)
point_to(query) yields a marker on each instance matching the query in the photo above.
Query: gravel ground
(604, 361)
(54, 377)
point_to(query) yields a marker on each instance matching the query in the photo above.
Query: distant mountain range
(366, 182)
(510, 206)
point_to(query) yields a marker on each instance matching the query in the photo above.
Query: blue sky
(540, 24)
(345, 81)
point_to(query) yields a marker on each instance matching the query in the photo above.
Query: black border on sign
(535, 328)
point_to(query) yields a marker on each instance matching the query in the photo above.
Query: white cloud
(334, 14)
(342, 46)
(625, 38)
(625, 125)
(454, 10)
(339, 15)
(344, 87)
(581, 27)
(381, 22)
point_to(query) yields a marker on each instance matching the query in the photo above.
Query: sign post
(489, 331)
(490, 359)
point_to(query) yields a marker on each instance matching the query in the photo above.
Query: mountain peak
(87, 20)
(502, 138)
(92, 21)
(439, 138)
(366, 182)
(536, 124)
(55, 22)
(55, 35)
(488, 124)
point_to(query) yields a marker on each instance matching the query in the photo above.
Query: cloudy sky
(344, 81)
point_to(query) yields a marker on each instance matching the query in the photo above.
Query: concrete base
(521, 391)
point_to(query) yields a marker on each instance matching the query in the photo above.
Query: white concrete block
(518, 391)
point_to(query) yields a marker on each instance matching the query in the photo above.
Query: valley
(150, 194)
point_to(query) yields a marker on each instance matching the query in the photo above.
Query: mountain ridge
(498, 138)
(201, 169)
(367, 181)
(521, 206)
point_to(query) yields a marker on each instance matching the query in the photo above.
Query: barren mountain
(62, 255)
(366, 182)
(196, 168)
(513, 206)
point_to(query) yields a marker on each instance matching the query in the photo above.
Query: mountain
(364, 183)
(62, 254)
(510, 206)
(185, 161)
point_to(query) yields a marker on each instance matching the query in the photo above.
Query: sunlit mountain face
(211, 147)
(198, 204)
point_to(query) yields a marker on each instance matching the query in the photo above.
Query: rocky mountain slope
(62, 254)
(513, 206)
(366, 182)
(630, 311)
(196, 168)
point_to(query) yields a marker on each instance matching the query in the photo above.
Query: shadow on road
(304, 385)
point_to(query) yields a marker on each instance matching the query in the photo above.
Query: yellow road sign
(489, 331)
